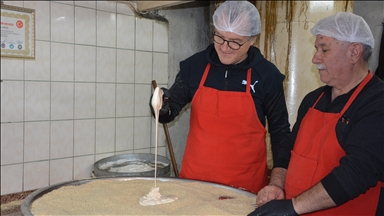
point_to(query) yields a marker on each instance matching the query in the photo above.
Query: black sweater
(362, 140)
(268, 92)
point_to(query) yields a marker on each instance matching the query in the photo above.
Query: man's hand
(165, 105)
(275, 207)
(268, 193)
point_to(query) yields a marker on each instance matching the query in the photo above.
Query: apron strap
(248, 88)
(357, 91)
(318, 99)
(202, 81)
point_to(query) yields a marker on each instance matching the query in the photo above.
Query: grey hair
(367, 52)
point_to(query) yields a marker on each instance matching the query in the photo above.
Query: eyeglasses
(232, 44)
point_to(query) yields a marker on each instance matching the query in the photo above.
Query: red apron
(316, 152)
(226, 141)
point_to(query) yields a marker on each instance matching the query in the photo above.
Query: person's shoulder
(195, 64)
(193, 58)
(376, 83)
(374, 89)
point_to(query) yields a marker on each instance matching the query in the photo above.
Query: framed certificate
(17, 32)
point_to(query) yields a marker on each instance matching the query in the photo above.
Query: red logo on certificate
(19, 24)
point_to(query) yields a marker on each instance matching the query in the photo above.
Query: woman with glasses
(233, 91)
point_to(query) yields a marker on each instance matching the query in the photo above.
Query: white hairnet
(240, 17)
(345, 26)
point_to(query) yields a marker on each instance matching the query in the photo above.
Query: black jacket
(268, 92)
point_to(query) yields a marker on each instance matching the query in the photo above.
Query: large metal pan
(27, 202)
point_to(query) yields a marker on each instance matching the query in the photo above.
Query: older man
(336, 150)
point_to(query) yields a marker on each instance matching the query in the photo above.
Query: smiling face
(228, 55)
(332, 61)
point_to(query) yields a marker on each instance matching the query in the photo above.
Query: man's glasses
(232, 44)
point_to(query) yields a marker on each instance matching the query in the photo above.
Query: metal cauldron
(132, 165)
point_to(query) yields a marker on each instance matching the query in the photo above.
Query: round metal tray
(27, 202)
(163, 165)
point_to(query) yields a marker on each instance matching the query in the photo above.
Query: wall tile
(125, 31)
(142, 151)
(85, 25)
(125, 98)
(105, 135)
(105, 100)
(125, 66)
(142, 132)
(106, 6)
(36, 175)
(12, 101)
(62, 23)
(144, 32)
(66, 2)
(80, 99)
(12, 140)
(60, 170)
(37, 101)
(161, 141)
(36, 141)
(106, 65)
(84, 137)
(62, 101)
(143, 67)
(85, 100)
(160, 151)
(106, 29)
(61, 139)
(102, 156)
(160, 36)
(142, 96)
(124, 134)
(12, 69)
(83, 167)
(14, 3)
(11, 179)
(124, 152)
(39, 69)
(42, 21)
(123, 8)
(160, 68)
(62, 62)
(88, 4)
(85, 67)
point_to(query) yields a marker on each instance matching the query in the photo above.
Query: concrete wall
(189, 31)
(373, 13)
